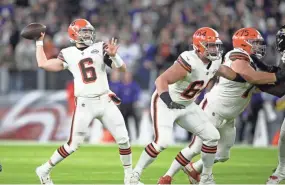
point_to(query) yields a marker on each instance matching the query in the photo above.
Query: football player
(87, 61)
(226, 101)
(279, 173)
(176, 91)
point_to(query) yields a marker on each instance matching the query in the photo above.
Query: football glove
(174, 105)
(168, 101)
(115, 99)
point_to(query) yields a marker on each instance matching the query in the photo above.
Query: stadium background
(37, 106)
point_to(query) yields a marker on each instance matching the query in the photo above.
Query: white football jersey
(88, 69)
(199, 74)
(231, 98)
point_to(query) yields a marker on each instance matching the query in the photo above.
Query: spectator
(129, 93)
(114, 82)
(128, 50)
(26, 64)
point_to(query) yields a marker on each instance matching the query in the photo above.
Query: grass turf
(101, 165)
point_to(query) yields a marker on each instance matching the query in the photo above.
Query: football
(33, 31)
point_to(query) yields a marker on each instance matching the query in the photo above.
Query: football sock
(60, 154)
(280, 171)
(198, 165)
(179, 162)
(147, 157)
(126, 157)
(208, 158)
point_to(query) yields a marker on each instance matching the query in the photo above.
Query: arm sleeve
(106, 57)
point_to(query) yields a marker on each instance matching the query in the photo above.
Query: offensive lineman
(87, 61)
(173, 101)
(227, 100)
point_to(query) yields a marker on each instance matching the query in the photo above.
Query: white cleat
(127, 179)
(44, 176)
(207, 179)
(134, 179)
(273, 179)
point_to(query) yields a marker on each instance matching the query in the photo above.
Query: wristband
(39, 43)
(166, 98)
(118, 61)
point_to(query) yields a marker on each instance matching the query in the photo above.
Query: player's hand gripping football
(41, 37)
(112, 47)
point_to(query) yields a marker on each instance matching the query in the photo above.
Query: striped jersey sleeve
(61, 57)
(239, 56)
(180, 60)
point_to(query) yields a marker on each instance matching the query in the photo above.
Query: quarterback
(87, 61)
(173, 101)
(226, 101)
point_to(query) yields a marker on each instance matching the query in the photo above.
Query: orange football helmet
(206, 41)
(249, 40)
(81, 31)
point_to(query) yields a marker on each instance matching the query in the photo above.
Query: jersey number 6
(193, 89)
(88, 73)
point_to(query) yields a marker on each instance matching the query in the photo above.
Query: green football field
(101, 165)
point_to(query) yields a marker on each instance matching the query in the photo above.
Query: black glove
(115, 99)
(168, 101)
(174, 105)
(280, 75)
(262, 66)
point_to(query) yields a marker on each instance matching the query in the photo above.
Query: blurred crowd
(151, 35)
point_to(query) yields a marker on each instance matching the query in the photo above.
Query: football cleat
(273, 180)
(207, 179)
(134, 178)
(193, 175)
(44, 176)
(165, 180)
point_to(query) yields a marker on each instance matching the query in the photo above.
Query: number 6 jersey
(199, 74)
(88, 67)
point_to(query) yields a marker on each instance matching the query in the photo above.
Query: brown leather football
(33, 31)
